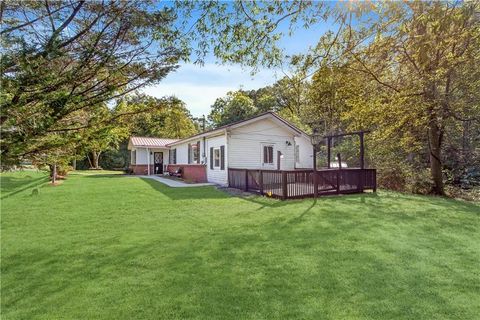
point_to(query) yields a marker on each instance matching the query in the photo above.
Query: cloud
(199, 86)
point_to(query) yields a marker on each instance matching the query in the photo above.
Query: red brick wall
(191, 172)
(140, 169)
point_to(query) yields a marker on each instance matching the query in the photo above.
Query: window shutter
(174, 160)
(198, 151)
(189, 153)
(211, 158)
(265, 155)
(222, 157)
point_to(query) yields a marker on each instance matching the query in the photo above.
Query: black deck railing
(295, 184)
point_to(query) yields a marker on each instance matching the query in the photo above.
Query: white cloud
(199, 86)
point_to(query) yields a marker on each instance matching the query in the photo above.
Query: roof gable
(266, 115)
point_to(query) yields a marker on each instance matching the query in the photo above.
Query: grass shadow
(11, 186)
(205, 192)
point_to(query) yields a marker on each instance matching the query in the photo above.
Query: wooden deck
(296, 184)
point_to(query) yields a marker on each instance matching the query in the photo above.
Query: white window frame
(297, 153)
(268, 164)
(215, 150)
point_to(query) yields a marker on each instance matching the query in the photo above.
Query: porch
(296, 184)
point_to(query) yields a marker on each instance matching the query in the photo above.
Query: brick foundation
(140, 169)
(190, 172)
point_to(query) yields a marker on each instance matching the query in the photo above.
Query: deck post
(284, 185)
(315, 179)
(361, 182)
(260, 181)
(338, 171)
(246, 180)
(329, 146)
(362, 151)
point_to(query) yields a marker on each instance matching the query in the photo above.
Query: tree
(61, 59)
(160, 117)
(234, 107)
(419, 57)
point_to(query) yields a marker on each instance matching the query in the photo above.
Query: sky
(199, 86)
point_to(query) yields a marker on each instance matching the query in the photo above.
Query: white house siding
(216, 175)
(246, 146)
(182, 151)
(141, 155)
(306, 152)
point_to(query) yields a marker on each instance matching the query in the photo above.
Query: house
(264, 142)
(141, 147)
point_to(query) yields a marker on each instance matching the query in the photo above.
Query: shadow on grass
(203, 192)
(11, 185)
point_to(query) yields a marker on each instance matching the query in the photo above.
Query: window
(133, 157)
(267, 154)
(297, 153)
(194, 155)
(173, 156)
(216, 158)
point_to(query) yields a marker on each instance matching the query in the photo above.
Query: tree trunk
(95, 159)
(435, 146)
(89, 161)
(54, 173)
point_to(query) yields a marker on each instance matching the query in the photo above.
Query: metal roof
(150, 142)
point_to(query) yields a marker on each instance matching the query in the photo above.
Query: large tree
(62, 60)
(165, 117)
(235, 106)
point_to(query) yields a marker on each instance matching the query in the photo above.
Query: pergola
(316, 139)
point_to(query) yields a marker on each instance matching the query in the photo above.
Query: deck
(295, 184)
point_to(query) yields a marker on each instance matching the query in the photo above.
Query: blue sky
(199, 86)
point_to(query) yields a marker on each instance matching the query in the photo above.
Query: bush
(64, 170)
(391, 178)
(419, 181)
(400, 176)
(472, 194)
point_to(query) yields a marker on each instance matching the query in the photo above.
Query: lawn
(113, 247)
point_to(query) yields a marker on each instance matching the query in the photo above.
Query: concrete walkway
(176, 183)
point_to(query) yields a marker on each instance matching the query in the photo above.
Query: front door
(158, 162)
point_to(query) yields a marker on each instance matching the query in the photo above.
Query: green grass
(113, 247)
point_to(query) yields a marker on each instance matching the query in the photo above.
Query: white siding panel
(246, 146)
(306, 152)
(182, 153)
(216, 175)
(142, 155)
